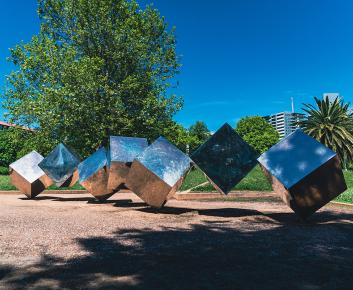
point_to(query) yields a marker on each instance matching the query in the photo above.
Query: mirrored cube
(27, 176)
(305, 173)
(157, 173)
(93, 174)
(225, 158)
(61, 166)
(122, 151)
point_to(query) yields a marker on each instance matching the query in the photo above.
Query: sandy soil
(73, 242)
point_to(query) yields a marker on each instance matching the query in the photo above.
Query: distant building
(284, 122)
(4, 125)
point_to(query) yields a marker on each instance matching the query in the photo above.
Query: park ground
(70, 241)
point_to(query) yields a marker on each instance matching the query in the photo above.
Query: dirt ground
(73, 242)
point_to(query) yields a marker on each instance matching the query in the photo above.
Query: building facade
(285, 123)
(4, 125)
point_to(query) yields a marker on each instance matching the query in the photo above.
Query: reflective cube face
(27, 176)
(93, 174)
(225, 158)
(157, 172)
(61, 165)
(122, 152)
(294, 157)
(305, 173)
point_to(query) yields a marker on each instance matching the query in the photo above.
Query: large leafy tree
(331, 123)
(96, 68)
(257, 132)
(198, 134)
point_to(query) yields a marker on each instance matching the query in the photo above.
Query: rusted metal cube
(27, 176)
(122, 152)
(304, 172)
(225, 158)
(157, 173)
(61, 166)
(93, 174)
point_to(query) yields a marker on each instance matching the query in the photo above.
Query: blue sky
(239, 57)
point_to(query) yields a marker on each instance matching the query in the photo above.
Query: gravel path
(73, 242)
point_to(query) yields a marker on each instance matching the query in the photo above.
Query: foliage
(257, 132)
(12, 148)
(331, 123)
(4, 170)
(199, 133)
(7, 149)
(96, 68)
(178, 135)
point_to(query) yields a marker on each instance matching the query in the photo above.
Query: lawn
(255, 181)
(5, 184)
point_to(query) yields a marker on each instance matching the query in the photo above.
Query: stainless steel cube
(122, 152)
(27, 176)
(61, 166)
(304, 172)
(157, 173)
(93, 174)
(225, 158)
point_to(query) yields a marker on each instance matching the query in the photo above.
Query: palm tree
(331, 123)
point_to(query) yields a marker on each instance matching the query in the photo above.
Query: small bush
(4, 170)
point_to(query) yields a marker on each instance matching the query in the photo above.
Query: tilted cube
(225, 158)
(305, 173)
(27, 176)
(157, 173)
(93, 174)
(123, 150)
(61, 166)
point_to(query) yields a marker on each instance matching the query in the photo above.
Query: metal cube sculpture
(27, 176)
(157, 173)
(225, 158)
(305, 173)
(122, 152)
(61, 166)
(93, 174)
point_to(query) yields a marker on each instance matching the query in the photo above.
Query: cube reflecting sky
(165, 160)
(294, 157)
(125, 149)
(225, 158)
(60, 163)
(27, 166)
(92, 164)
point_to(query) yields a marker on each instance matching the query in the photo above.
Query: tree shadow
(206, 256)
(128, 203)
(320, 217)
(5, 270)
(217, 212)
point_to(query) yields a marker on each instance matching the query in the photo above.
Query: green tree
(331, 123)
(180, 137)
(10, 148)
(199, 133)
(96, 68)
(257, 132)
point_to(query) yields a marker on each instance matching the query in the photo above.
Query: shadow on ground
(282, 254)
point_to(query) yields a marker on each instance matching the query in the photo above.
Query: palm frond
(331, 123)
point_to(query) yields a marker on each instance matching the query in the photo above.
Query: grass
(347, 196)
(5, 184)
(254, 181)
